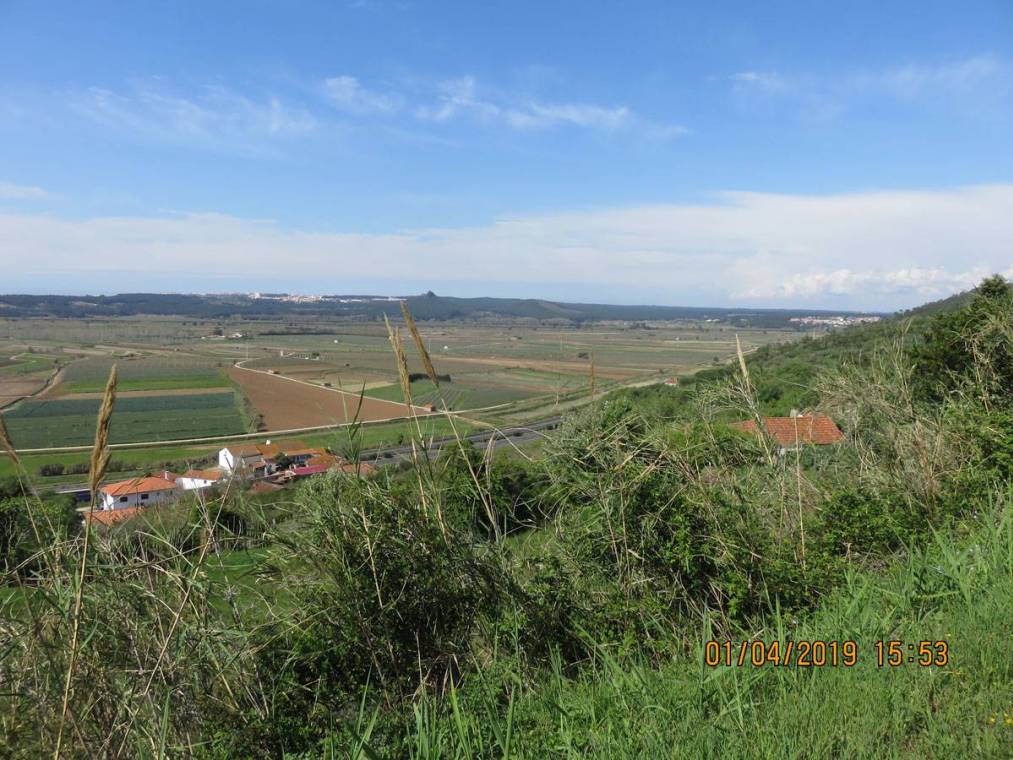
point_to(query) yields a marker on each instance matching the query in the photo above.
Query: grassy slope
(958, 591)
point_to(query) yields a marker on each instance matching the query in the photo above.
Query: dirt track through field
(288, 403)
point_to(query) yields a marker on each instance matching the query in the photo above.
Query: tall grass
(955, 589)
(468, 607)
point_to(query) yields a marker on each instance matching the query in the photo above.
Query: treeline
(424, 307)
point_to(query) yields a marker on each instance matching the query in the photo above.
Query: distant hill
(428, 306)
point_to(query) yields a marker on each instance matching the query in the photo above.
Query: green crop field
(466, 394)
(25, 365)
(147, 373)
(71, 422)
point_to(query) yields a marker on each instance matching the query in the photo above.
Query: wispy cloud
(215, 117)
(862, 250)
(12, 192)
(915, 80)
(348, 94)
(967, 82)
(766, 81)
(461, 98)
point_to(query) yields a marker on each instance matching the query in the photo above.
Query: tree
(972, 344)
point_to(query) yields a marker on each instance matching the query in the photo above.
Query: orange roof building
(254, 456)
(109, 517)
(798, 430)
(136, 492)
(211, 475)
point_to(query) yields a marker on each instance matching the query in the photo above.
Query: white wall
(137, 499)
(225, 460)
(189, 484)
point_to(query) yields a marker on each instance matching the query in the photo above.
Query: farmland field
(286, 404)
(493, 365)
(71, 422)
(502, 372)
(148, 373)
(22, 376)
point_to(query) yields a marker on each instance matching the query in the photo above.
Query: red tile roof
(328, 460)
(202, 474)
(267, 450)
(817, 429)
(239, 452)
(111, 516)
(316, 469)
(137, 485)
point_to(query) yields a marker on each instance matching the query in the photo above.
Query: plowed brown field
(286, 404)
(14, 390)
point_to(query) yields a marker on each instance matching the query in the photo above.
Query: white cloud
(762, 80)
(863, 250)
(346, 93)
(460, 98)
(216, 117)
(913, 80)
(12, 192)
(965, 83)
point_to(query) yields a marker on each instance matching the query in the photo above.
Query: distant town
(836, 321)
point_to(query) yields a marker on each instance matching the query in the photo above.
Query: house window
(144, 496)
(123, 498)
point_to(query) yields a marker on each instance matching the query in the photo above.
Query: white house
(137, 492)
(259, 458)
(234, 458)
(192, 480)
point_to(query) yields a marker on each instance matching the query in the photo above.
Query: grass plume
(8, 444)
(99, 462)
(419, 344)
(397, 346)
(100, 449)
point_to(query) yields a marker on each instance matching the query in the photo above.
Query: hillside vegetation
(479, 606)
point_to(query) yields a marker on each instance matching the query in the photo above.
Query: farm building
(136, 492)
(302, 456)
(796, 430)
(259, 458)
(198, 479)
(303, 471)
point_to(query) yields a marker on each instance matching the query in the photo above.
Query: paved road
(510, 436)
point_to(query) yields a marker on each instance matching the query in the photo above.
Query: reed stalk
(99, 462)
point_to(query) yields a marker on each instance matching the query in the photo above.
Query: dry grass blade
(99, 462)
(394, 335)
(8, 444)
(427, 362)
(742, 363)
(100, 450)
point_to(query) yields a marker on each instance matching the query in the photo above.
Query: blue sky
(847, 155)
